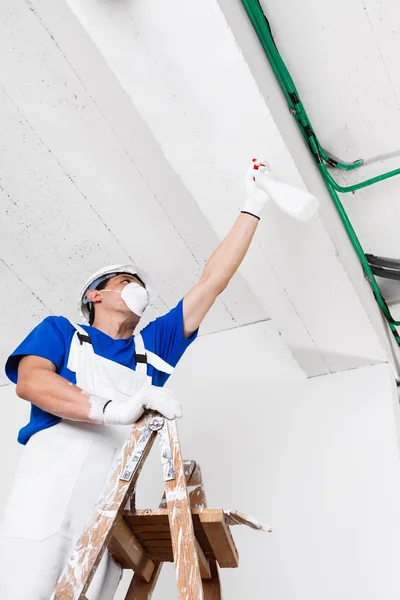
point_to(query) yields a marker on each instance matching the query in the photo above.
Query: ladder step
(151, 530)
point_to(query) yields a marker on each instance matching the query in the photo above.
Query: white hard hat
(106, 272)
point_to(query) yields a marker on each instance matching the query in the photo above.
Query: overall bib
(59, 479)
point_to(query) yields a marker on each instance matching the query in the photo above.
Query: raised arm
(226, 260)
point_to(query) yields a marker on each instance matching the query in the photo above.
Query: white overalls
(59, 479)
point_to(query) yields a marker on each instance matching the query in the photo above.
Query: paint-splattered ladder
(182, 530)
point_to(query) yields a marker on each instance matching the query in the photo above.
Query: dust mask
(135, 297)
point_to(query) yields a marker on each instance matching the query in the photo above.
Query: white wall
(316, 459)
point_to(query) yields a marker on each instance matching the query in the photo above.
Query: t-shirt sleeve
(46, 341)
(169, 341)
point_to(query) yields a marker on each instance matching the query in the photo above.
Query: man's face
(111, 300)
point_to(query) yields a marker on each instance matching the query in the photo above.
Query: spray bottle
(296, 203)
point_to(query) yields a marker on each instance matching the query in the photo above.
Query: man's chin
(129, 314)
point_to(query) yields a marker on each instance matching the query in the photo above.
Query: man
(87, 385)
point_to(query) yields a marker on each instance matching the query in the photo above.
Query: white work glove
(162, 400)
(149, 397)
(256, 197)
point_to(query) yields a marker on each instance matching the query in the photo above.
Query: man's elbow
(25, 385)
(214, 284)
(32, 376)
(22, 388)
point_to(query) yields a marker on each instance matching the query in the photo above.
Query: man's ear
(94, 296)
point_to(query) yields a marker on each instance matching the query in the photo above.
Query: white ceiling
(182, 68)
(142, 156)
(73, 199)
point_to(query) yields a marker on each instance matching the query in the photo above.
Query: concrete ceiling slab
(73, 197)
(197, 94)
(137, 149)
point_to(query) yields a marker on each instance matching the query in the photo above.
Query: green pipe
(363, 184)
(263, 30)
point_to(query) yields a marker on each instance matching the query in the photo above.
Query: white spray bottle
(296, 203)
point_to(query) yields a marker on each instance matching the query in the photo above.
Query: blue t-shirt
(52, 338)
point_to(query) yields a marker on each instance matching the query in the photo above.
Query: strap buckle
(140, 358)
(84, 338)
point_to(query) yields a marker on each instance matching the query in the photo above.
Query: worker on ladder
(87, 384)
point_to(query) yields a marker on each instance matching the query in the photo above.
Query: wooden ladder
(182, 530)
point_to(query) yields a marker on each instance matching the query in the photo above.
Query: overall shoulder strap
(78, 346)
(159, 363)
(140, 355)
(145, 357)
(82, 335)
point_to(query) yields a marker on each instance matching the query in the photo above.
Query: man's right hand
(130, 411)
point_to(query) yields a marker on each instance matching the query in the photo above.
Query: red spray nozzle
(255, 166)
